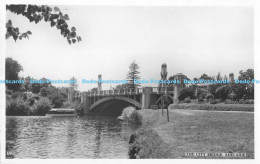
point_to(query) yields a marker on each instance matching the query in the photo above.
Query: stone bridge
(141, 98)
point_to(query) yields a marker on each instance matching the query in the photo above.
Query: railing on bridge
(127, 91)
(160, 90)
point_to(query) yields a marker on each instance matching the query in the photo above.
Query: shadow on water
(111, 107)
(67, 137)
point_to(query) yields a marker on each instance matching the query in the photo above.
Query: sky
(190, 40)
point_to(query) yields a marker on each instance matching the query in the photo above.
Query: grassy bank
(214, 107)
(196, 131)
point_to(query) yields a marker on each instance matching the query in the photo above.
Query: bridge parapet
(127, 91)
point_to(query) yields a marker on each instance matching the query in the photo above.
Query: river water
(67, 137)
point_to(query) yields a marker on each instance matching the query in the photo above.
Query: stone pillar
(177, 87)
(71, 94)
(85, 102)
(99, 83)
(163, 76)
(146, 97)
(231, 78)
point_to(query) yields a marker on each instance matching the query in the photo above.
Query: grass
(147, 144)
(202, 131)
(214, 107)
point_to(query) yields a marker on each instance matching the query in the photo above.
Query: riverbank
(199, 131)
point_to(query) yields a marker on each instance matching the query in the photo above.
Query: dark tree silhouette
(36, 14)
(132, 75)
(12, 69)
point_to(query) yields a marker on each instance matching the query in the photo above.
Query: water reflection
(67, 137)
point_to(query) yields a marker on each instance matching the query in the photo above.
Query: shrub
(30, 101)
(73, 105)
(147, 144)
(242, 101)
(222, 92)
(212, 101)
(135, 118)
(42, 106)
(200, 100)
(19, 94)
(17, 107)
(187, 100)
(215, 107)
(186, 92)
(201, 93)
(131, 115)
(8, 91)
(209, 96)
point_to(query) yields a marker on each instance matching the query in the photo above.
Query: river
(67, 137)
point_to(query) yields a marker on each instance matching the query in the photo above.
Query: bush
(8, 91)
(30, 101)
(147, 144)
(200, 100)
(187, 100)
(201, 93)
(17, 107)
(212, 101)
(19, 94)
(186, 92)
(222, 92)
(242, 101)
(215, 107)
(42, 106)
(209, 96)
(74, 105)
(131, 115)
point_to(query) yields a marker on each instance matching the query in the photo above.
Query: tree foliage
(186, 92)
(42, 106)
(121, 86)
(133, 74)
(222, 92)
(244, 90)
(36, 14)
(12, 69)
(74, 84)
(205, 77)
(55, 95)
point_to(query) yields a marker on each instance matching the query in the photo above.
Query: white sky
(191, 40)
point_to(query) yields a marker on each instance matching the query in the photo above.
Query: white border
(254, 3)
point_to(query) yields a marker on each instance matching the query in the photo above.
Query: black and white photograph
(84, 81)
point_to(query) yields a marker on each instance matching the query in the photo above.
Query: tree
(36, 87)
(12, 69)
(55, 95)
(27, 86)
(222, 92)
(205, 77)
(36, 14)
(74, 83)
(132, 75)
(121, 86)
(95, 89)
(242, 89)
(186, 92)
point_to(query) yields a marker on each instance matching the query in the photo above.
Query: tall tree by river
(133, 74)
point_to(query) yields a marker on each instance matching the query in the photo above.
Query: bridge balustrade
(117, 91)
(125, 91)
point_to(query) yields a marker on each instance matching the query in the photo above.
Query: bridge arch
(161, 97)
(129, 100)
